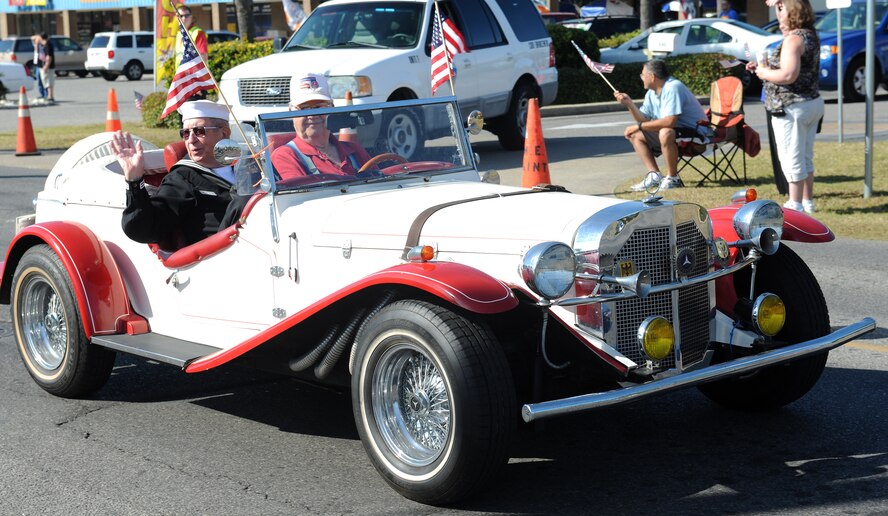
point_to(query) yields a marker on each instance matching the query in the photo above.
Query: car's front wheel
(512, 127)
(433, 401)
(49, 331)
(807, 317)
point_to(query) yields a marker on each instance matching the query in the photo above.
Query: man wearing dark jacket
(195, 199)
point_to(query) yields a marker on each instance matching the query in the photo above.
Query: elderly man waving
(195, 198)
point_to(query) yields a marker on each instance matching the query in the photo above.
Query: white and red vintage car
(455, 309)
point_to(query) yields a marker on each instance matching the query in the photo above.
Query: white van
(380, 51)
(121, 53)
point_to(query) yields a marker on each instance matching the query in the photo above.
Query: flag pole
(592, 67)
(446, 54)
(216, 84)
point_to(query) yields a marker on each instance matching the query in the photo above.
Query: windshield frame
(460, 136)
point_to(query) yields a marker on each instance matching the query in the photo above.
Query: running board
(156, 347)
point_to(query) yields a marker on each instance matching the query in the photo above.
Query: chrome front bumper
(545, 409)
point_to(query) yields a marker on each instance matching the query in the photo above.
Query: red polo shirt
(289, 164)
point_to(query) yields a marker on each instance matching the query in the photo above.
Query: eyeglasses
(200, 132)
(313, 106)
(185, 15)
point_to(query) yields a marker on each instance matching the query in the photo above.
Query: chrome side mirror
(227, 151)
(475, 122)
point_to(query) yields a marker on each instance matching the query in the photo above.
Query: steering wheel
(385, 156)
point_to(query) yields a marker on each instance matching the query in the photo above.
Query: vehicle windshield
(360, 25)
(316, 148)
(751, 28)
(853, 17)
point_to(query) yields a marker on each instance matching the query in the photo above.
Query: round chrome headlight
(548, 269)
(760, 220)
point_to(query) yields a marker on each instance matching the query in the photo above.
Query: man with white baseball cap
(195, 199)
(315, 150)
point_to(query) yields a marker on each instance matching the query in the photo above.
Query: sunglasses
(315, 106)
(200, 132)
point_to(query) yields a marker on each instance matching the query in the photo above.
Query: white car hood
(498, 224)
(330, 62)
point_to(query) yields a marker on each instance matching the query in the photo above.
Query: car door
(701, 38)
(68, 54)
(145, 50)
(489, 61)
(125, 50)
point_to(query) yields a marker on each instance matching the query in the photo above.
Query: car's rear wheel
(433, 401)
(807, 317)
(109, 76)
(133, 70)
(512, 127)
(49, 330)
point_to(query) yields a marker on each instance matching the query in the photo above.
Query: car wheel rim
(860, 81)
(403, 135)
(411, 405)
(522, 114)
(44, 325)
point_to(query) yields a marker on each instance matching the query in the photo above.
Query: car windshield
(853, 17)
(751, 28)
(360, 25)
(314, 148)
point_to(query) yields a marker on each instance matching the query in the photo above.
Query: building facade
(81, 19)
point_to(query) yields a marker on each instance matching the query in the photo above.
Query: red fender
(455, 283)
(797, 227)
(95, 278)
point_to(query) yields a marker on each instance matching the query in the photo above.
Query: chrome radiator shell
(631, 237)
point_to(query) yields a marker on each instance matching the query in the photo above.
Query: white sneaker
(808, 206)
(792, 205)
(638, 187)
(672, 182)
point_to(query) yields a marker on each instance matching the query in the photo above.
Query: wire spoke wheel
(44, 324)
(411, 405)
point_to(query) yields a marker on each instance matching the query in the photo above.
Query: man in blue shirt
(727, 11)
(669, 111)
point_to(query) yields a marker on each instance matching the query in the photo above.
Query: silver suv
(380, 51)
(121, 53)
(69, 55)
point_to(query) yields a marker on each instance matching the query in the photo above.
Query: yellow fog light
(656, 337)
(768, 314)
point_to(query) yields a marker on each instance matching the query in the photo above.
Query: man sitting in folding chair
(669, 111)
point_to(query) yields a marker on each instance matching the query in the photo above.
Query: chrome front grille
(650, 249)
(264, 91)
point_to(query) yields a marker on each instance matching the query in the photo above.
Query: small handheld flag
(599, 68)
(138, 99)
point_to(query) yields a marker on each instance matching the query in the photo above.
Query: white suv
(380, 51)
(121, 53)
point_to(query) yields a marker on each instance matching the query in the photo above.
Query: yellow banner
(165, 27)
(38, 3)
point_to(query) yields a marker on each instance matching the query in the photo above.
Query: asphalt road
(236, 441)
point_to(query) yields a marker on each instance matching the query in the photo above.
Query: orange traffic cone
(24, 143)
(536, 163)
(348, 134)
(112, 121)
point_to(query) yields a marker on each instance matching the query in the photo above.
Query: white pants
(794, 135)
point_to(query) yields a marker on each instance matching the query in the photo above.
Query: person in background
(792, 97)
(47, 71)
(726, 11)
(315, 150)
(669, 111)
(196, 199)
(200, 43)
(38, 64)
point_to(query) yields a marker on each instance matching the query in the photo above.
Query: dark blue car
(853, 49)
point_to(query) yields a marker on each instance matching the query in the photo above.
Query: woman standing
(792, 98)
